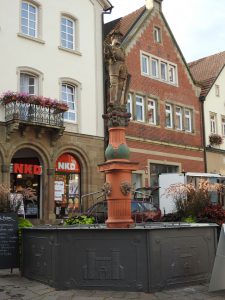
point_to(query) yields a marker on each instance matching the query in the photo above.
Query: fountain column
(118, 169)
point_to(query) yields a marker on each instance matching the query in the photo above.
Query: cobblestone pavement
(13, 286)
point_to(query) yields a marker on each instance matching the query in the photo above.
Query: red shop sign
(67, 163)
(27, 169)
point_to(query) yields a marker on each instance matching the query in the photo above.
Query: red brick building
(164, 134)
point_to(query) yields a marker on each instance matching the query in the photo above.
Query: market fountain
(120, 255)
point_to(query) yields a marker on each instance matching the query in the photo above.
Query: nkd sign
(67, 163)
(26, 169)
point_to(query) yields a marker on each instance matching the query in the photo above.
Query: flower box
(10, 97)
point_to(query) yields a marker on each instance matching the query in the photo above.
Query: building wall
(84, 139)
(215, 105)
(75, 144)
(155, 142)
(54, 63)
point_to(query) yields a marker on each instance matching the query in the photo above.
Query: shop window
(155, 170)
(67, 186)
(137, 180)
(26, 174)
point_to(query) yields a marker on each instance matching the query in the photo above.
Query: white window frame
(140, 104)
(26, 85)
(213, 123)
(67, 33)
(178, 118)
(164, 76)
(157, 34)
(172, 74)
(223, 125)
(188, 120)
(74, 94)
(29, 13)
(155, 67)
(169, 114)
(151, 109)
(164, 71)
(130, 104)
(145, 64)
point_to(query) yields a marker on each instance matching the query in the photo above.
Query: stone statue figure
(117, 70)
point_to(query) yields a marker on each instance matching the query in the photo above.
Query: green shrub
(22, 223)
(189, 220)
(79, 220)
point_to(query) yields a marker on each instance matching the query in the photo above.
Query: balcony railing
(33, 113)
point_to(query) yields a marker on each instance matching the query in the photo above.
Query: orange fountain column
(118, 170)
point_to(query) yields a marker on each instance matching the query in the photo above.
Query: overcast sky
(197, 25)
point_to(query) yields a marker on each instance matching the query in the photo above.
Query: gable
(137, 24)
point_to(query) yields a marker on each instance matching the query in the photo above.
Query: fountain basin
(148, 258)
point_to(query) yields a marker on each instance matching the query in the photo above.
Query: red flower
(10, 97)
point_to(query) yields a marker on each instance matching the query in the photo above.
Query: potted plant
(215, 139)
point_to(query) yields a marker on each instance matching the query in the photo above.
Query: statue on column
(118, 82)
(117, 70)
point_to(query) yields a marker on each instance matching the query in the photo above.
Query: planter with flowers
(31, 108)
(215, 139)
(12, 97)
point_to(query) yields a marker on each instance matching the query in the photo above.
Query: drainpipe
(108, 11)
(202, 100)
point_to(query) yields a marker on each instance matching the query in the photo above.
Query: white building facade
(51, 49)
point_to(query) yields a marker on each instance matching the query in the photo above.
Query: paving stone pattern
(13, 286)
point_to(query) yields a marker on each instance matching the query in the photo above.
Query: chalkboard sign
(9, 244)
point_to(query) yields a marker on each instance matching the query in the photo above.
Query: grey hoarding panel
(217, 281)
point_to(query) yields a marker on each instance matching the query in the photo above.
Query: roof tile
(125, 23)
(206, 70)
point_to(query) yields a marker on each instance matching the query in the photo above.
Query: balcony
(22, 110)
(34, 114)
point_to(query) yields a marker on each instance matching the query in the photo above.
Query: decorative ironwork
(33, 113)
